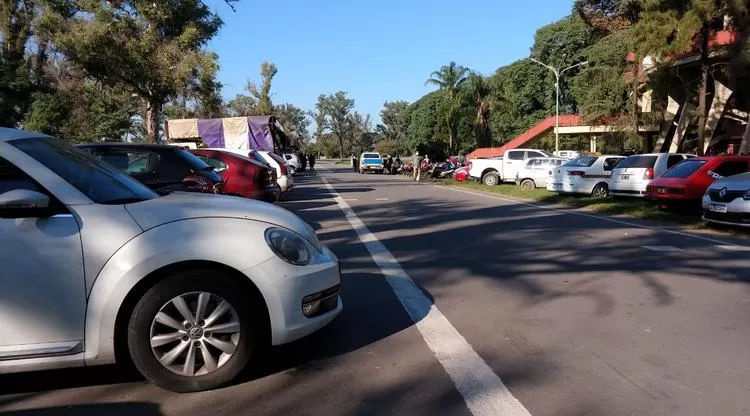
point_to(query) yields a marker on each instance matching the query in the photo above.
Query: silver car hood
(188, 205)
(739, 182)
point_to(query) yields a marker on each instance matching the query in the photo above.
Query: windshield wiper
(122, 201)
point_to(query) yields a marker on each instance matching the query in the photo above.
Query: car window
(581, 162)
(638, 162)
(673, 160)
(288, 157)
(217, 164)
(517, 155)
(684, 169)
(611, 163)
(13, 178)
(530, 164)
(99, 181)
(277, 158)
(731, 167)
(536, 154)
(371, 156)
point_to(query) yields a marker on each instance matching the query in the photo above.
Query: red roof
(538, 130)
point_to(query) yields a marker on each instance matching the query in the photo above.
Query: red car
(686, 182)
(242, 176)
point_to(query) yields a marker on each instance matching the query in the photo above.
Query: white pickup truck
(503, 169)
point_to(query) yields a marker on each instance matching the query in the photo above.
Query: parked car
(370, 162)
(567, 154)
(283, 173)
(632, 175)
(98, 269)
(686, 182)
(292, 162)
(242, 176)
(503, 169)
(163, 168)
(587, 175)
(461, 174)
(727, 201)
(536, 172)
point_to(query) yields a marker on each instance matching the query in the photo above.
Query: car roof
(131, 145)
(8, 134)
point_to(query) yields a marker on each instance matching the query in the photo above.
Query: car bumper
(372, 168)
(735, 213)
(566, 188)
(285, 287)
(286, 183)
(271, 193)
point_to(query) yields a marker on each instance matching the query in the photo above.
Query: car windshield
(277, 158)
(581, 162)
(97, 180)
(371, 156)
(684, 169)
(546, 153)
(195, 163)
(638, 162)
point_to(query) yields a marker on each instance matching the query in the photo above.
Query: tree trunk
(702, 107)
(341, 147)
(745, 144)
(153, 111)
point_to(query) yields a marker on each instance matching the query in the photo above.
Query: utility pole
(558, 73)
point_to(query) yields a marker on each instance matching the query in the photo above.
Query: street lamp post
(558, 74)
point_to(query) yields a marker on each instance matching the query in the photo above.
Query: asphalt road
(577, 315)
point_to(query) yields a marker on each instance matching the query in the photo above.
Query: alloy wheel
(195, 333)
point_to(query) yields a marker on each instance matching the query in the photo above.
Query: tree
(679, 26)
(449, 79)
(608, 16)
(480, 97)
(154, 49)
(262, 93)
(334, 111)
(394, 119)
(241, 106)
(295, 123)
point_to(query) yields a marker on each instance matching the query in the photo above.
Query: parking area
(574, 313)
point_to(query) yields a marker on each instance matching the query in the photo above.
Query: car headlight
(746, 195)
(288, 245)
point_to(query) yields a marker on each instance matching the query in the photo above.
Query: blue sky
(377, 51)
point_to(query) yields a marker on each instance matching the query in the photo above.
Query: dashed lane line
(483, 391)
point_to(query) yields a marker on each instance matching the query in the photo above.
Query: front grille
(733, 217)
(730, 196)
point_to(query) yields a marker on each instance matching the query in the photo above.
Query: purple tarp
(212, 132)
(260, 133)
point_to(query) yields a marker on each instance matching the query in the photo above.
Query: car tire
(491, 178)
(600, 191)
(217, 357)
(527, 184)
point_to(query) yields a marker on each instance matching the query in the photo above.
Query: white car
(283, 173)
(98, 269)
(587, 175)
(536, 172)
(292, 162)
(727, 201)
(632, 175)
(503, 169)
(567, 154)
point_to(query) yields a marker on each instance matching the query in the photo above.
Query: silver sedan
(727, 201)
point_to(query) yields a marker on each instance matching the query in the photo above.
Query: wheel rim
(600, 192)
(195, 333)
(526, 185)
(490, 180)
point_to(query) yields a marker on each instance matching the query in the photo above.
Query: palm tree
(479, 96)
(449, 79)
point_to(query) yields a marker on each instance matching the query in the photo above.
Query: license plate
(625, 177)
(717, 208)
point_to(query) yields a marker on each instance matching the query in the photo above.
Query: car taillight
(283, 169)
(649, 174)
(576, 173)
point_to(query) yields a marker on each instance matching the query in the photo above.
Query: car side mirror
(23, 203)
(714, 175)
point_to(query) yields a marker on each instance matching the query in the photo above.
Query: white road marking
(381, 199)
(665, 249)
(351, 199)
(484, 392)
(733, 248)
(598, 217)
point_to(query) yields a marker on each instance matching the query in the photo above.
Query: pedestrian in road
(311, 159)
(416, 162)
(303, 161)
(356, 164)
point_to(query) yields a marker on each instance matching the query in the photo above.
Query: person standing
(311, 159)
(416, 162)
(356, 163)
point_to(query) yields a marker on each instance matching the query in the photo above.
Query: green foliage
(295, 123)
(334, 115)
(154, 49)
(262, 93)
